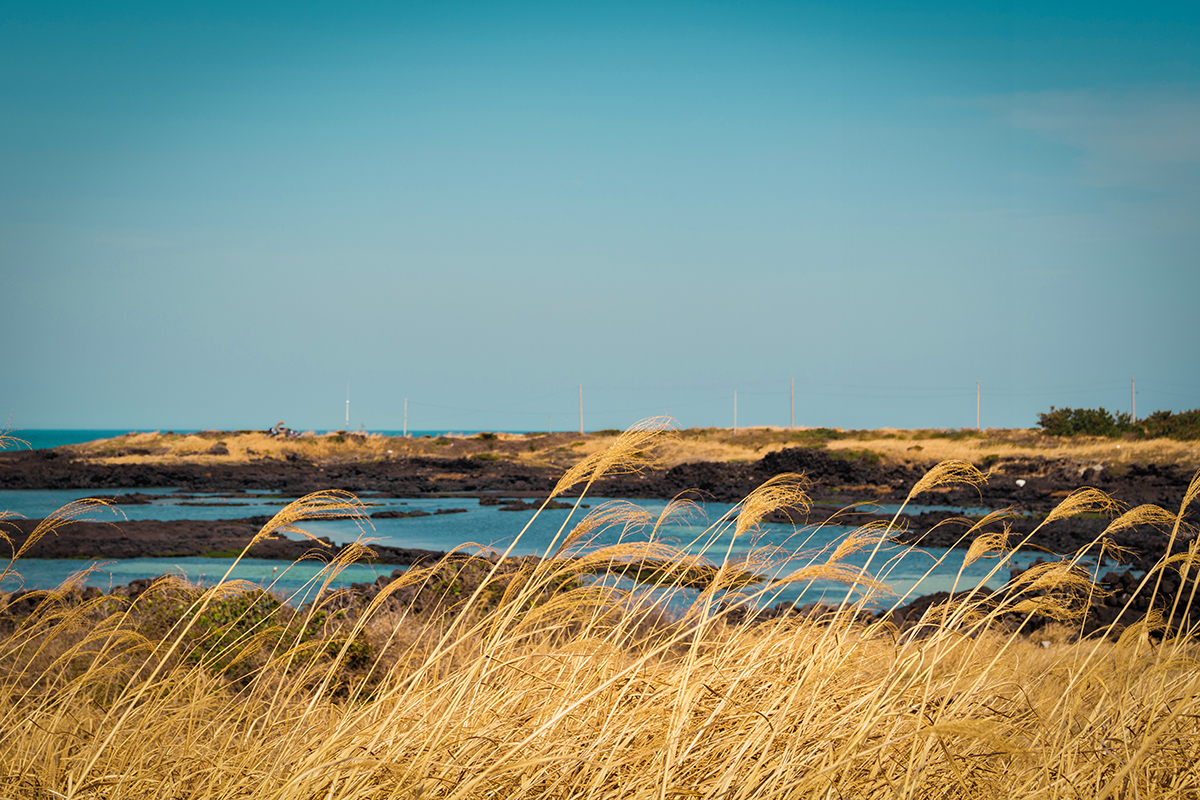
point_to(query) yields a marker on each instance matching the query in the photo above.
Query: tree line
(1100, 422)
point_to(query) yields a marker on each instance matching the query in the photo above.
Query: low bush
(1100, 422)
(1084, 421)
(1165, 424)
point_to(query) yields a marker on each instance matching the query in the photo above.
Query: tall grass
(524, 679)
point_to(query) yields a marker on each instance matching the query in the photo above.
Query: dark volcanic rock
(416, 512)
(182, 538)
(837, 478)
(411, 477)
(1119, 600)
(521, 505)
(131, 499)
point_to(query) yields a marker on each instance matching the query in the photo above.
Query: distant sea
(46, 438)
(43, 438)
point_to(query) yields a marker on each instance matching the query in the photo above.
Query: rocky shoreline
(183, 538)
(192, 538)
(1031, 486)
(1119, 599)
(1025, 484)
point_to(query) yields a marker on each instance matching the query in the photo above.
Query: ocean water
(41, 439)
(487, 528)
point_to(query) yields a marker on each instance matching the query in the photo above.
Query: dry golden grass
(924, 446)
(565, 450)
(244, 446)
(540, 686)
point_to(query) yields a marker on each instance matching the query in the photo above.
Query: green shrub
(1085, 421)
(868, 456)
(1099, 422)
(814, 437)
(1164, 424)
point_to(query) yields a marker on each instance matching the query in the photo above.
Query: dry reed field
(977, 446)
(524, 679)
(563, 449)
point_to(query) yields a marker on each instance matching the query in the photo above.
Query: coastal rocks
(835, 476)
(811, 612)
(1144, 543)
(517, 504)
(416, 512)
(129, 499)
(186, 538)
(1118, 599)
(451, 582)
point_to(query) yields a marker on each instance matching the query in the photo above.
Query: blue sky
(223, 215)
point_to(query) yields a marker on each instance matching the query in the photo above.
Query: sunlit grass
(500, 677)
(563, 449)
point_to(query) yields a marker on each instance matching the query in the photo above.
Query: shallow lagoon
(903, 569)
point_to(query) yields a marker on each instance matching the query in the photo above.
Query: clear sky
(222, 215)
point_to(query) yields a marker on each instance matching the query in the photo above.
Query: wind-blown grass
(524, 679)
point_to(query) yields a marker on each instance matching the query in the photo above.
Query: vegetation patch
(868, 456)
(1100, 422)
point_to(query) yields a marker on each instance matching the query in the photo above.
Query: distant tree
(1099, 422)
(1085, 422)
(1164, 424)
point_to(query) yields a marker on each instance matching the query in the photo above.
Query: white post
(735, 410)
(406, 418)
(977, 406)
(347, 406)
(1133, 399)
(581, 409)
(792, 423)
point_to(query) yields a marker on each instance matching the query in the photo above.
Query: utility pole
(581, 409)
(977, 406)
(549, 424)
(347, 406)
(792, 423)
(406, 418)
(1133, 399)
(735, 410)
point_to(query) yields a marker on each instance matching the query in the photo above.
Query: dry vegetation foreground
(526, 681)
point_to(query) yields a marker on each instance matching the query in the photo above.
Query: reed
(523, 678)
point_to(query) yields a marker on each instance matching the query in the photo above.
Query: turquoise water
(489, 528)
(45, 438)
(281, 577)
